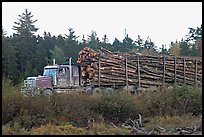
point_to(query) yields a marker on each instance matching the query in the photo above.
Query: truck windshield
(50, 72)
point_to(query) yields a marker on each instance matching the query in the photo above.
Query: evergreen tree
(93, 41)
(128, 44)
(198, 44)
(185, 48)
(72, 46)
(117, 45)
(194, 50)
(139, 43)
(164, 50)
(9, 60)
(194, 34)
(25, 24)
(149, 47)
(58, 55)
(105, 39)
(25, 42)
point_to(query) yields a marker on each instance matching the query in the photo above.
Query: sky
(163, 22)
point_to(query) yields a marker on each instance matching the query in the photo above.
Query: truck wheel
(47, 91)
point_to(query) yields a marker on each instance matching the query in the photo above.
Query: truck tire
(47, 91)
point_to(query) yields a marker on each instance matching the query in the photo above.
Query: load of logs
(103, 67)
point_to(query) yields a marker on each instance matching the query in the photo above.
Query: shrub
(176, 101)
(187, 99)
(16, 129)
(117, 106)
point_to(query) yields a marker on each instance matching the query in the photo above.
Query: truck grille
(29, 87)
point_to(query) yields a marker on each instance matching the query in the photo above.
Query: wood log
(112, 68)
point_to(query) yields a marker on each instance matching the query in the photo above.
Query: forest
(25, 54)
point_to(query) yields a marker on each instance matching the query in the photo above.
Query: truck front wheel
(47, 91)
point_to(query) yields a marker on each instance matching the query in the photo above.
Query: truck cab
(55, 78)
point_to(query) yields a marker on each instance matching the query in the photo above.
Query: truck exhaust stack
(53, 61)
(70, 70)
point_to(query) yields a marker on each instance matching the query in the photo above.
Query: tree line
(25, 54)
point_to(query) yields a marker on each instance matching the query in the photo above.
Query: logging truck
(103, 68)
(56, 78)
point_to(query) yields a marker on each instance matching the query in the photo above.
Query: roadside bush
(11, 106)
(117, 106)
(187, 99)
(75, 107)
(16, 129)
(176, 101)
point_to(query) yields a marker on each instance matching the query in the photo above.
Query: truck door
(63, 77)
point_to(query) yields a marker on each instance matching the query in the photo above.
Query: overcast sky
(163, 22)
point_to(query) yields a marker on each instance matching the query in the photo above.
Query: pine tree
(117, 45)
(25, 24)
(93, 40)
(25, 43)
(194, 50)
(9, 64)
(185, 48)
(139, 43)
(128, 44)
(72, 46)
(58, 55)
(105, 39)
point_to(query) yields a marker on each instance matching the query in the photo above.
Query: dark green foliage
(187, 99)
(9, 60)
(72, 46)
(194, 34)
(93, 41)
(176, 101)
(117, 106)
(164, 50)
(185, 48)
(194, 50)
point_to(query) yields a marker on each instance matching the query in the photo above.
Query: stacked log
(103, 67)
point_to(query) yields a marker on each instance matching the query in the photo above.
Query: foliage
(16, 129)
(175, 49)
(187, 99)
(176, 101)
(117, 106)
(194, 34)
(199, 46)
(58, 55)
(76, 108)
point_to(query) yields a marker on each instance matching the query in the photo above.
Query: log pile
(103, 67)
